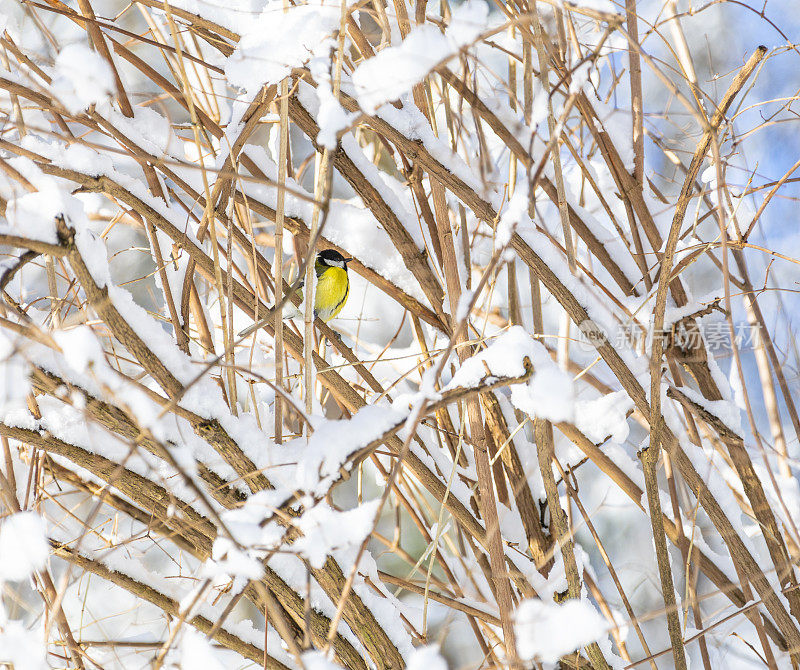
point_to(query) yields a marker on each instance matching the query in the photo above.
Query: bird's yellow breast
(333, 287)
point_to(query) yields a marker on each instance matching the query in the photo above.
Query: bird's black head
(333, 258)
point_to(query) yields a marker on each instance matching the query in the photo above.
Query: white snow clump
(82, 78)
(23, 546)
(546, 631)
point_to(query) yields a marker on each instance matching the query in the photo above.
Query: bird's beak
(347, 260)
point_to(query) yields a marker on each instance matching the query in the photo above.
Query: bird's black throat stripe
(344, 297)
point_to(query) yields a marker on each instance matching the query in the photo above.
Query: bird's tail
(290, 311)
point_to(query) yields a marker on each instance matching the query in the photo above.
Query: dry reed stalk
(278, 264)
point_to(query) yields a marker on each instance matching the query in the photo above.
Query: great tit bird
(333, 284)
(333, 288)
